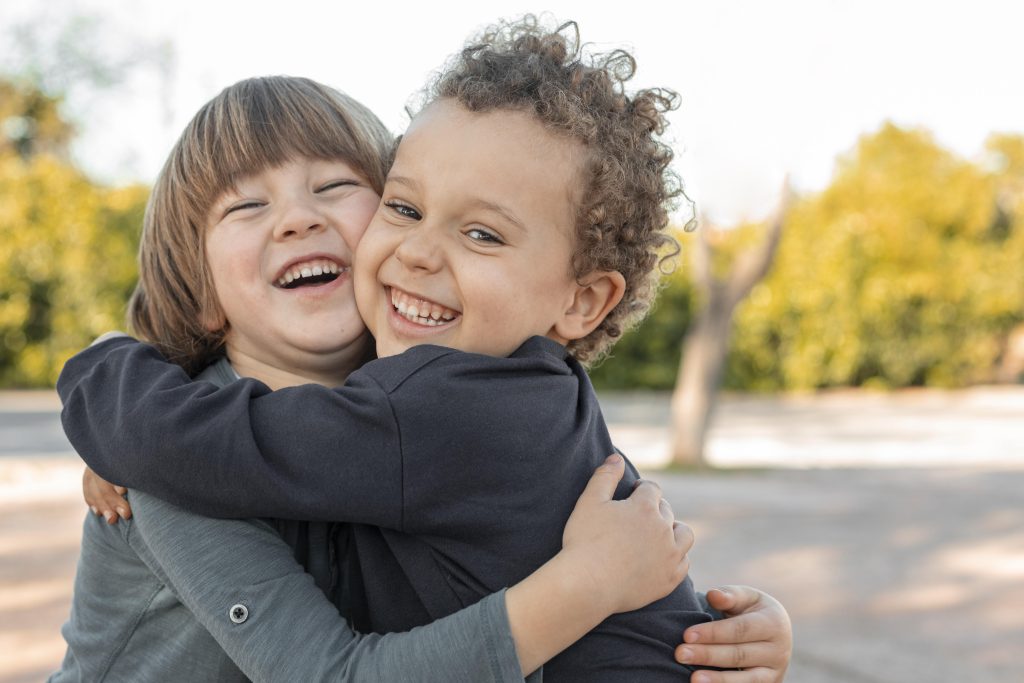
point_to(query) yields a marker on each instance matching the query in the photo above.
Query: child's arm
(139, 420)
(241, 582)
(291, 632)
(756, 636)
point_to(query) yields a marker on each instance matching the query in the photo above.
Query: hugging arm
(234, 451)
(291, 631)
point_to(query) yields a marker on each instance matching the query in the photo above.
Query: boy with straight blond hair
(518, 233)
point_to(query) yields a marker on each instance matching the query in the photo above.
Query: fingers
(741, 629)
(755, 675)
(737, 656)
(665, 510)
(114, 508)
(601, 486)
(105, 499)
(108, 514)
(733, 599)
(683, 535)
(648, 492)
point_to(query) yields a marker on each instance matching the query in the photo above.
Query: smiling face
(471, 246)
(279, 248)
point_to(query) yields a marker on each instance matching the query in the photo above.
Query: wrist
(553, 608)
(583, 581)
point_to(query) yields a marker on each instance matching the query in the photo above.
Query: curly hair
(629, 187)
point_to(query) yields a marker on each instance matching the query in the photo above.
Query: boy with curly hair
(518, 235)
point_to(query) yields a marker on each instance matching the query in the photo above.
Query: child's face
(266, 242)
(471, 245)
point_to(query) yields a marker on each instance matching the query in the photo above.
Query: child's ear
(596, 295)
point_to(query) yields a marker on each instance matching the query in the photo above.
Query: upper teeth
(310, 269)
(421, 311)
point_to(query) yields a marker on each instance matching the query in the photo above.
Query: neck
(330, 370)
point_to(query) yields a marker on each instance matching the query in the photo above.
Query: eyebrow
(402, 180)
(502, 211)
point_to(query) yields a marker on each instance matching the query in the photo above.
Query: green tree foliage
(907, 270)
(903, 272)
(67, 244)
(67, 263)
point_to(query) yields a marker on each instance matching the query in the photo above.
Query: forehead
(504, 157)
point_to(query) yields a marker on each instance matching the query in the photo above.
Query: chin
(329, 345)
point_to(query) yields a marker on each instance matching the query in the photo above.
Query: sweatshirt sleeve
(141, 422)
(240, 581)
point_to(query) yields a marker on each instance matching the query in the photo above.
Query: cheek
(375, 245)
(357, 222)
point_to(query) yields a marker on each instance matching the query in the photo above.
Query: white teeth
(420, 311)
(310, 269)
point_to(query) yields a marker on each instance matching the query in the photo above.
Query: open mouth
(310, 273)
(421, 311)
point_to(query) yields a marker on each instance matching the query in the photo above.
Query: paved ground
(894, 573)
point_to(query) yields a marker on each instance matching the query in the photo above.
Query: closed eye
(241, 206)
(335, 184)
(403, 210)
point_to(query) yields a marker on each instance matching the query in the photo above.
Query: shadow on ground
(889, 575)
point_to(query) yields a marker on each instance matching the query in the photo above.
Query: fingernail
(120, 511)
(94, 509)
(723, 591)
(612, 459)
(686, 654)
(692, 636)
(108, 516)
(701, 678)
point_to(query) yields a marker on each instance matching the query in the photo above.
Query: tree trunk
(707, 342)
(704, 351)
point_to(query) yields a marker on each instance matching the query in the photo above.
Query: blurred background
(829, 387)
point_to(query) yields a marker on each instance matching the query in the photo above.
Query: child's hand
(104, 498)
(633, 550)
(756, 636)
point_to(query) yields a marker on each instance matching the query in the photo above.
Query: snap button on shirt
(239, 613)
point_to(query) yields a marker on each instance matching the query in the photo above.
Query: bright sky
(768, 88)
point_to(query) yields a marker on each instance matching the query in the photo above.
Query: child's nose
(299, 220)
(419, 250)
